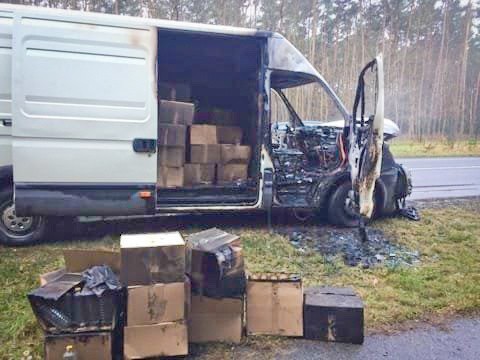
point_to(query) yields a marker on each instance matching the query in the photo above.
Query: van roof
(126, 21)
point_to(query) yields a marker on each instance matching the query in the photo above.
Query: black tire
(30, 236)
(336, 211)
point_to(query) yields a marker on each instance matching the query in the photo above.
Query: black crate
(333, 314)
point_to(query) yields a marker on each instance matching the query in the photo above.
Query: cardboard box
(196, 174)
(216, 116)
(172, 135)
(156, 303)
(235, 154)
(275, 305)
(232, 172)
(171, 156)
(175, 112)
(333, 314)
(152, 258)
(216, 320)
(168, 177)
(205, 154)
(229, 135)
(79, 260)
(203, 134)
(174, 91)
(165, 339)
(215, 264)
(86, 346)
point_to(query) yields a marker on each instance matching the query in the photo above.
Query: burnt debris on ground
(347, 244)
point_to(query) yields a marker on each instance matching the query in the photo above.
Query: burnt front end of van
(314, 164)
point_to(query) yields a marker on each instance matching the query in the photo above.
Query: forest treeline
(431, 49)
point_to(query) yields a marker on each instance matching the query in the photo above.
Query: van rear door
(6, 23)
(85, 116)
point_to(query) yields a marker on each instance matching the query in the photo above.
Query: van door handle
(7, 122)
(145, 145)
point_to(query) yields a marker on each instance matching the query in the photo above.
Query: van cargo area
(208, 119)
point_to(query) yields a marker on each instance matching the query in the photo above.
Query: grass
(446, 282)
(434, 148)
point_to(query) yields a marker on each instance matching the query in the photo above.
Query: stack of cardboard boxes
(216, 269)
(174, 117)
(177, 293)
(213, 145)
(216, 149)
(153, 269)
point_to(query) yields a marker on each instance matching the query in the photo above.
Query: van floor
(240, 194)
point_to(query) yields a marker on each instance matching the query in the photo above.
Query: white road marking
(447, 168)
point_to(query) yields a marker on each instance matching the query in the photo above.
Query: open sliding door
(84, 117)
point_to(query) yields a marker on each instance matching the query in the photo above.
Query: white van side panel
(6, 25)
(82, 93)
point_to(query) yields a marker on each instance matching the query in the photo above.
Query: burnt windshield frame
(330, 93)
(297, 120)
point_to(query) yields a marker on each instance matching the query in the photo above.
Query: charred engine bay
(346, 243)
(305, 157)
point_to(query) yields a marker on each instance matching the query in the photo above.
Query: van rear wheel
(18, 230)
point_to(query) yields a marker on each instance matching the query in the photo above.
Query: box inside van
(208, 89)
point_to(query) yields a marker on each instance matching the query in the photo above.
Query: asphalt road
(444, 177)
(459, 339)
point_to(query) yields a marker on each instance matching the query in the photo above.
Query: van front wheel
(340, 211)
(18, 230)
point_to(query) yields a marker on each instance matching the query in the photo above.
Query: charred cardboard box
(229, 135)
(203, 134)
(156, 303)
(196, 174)
(274, 305)
(237, 154)
(91, 321)
(205, 154)
(216, 319)
(333, 314)
(62, 305)
(232, 172)
(152, 258)
(215, 264)
(164, 339)
(172, 135)
(85, 346)
(174, 91)
(171, 156)
(175, 112)
(170, 177)
(67, 305)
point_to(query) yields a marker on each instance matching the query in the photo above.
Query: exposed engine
(304, 156)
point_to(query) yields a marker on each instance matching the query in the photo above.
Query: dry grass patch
(434, 148)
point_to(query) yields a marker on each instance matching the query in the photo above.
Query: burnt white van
(81, 112)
